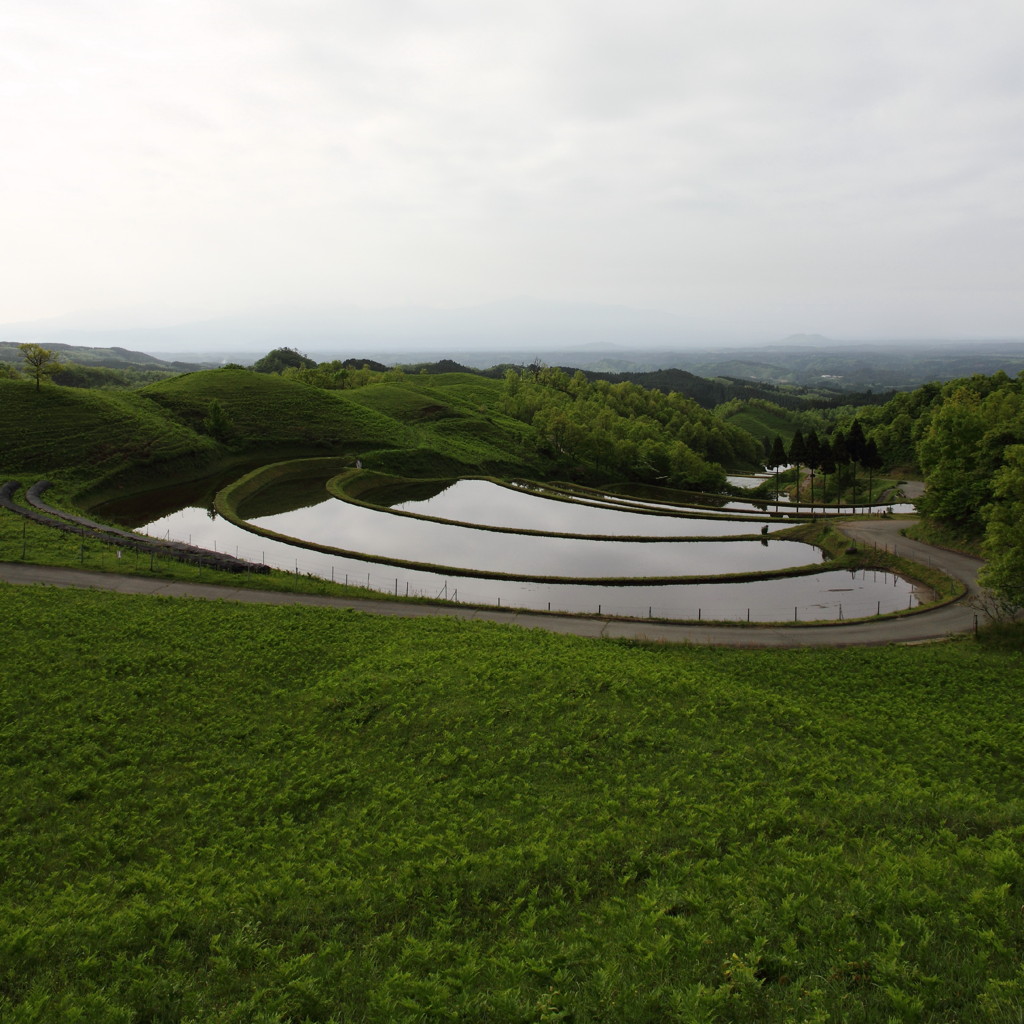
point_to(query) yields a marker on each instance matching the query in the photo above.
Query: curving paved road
(960, 617)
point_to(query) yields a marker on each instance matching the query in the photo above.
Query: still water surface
(827, 595)
(179, 513)
(355, 528)
(762, 507)
(489, 504)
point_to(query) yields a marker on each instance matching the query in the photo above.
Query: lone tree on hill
(40, 362)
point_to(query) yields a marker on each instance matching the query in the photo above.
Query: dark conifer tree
(840, 458)
(871, 460)
(798, 456)
(812, 457)
(776, 459)
(827, 465)
(856, 446)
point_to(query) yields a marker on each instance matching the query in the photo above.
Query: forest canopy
(627, 429)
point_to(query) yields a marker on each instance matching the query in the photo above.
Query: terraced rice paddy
(819, 596)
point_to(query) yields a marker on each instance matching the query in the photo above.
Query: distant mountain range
(605, 339)
(520, 324)
(114, 357)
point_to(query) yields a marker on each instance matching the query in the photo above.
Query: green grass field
(97, 443)
(275, 410)
(242, 814)
(765, 424)
(79, 434)
(455, 422)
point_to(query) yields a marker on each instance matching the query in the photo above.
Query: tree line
(835, 458)
(606, 430)
(966, 439)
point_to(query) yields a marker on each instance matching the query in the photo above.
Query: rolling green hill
(423, 397)
(92, 439)
(272, 410)
(83, 435)
(402, 402)
(453, 421)
(762, 419)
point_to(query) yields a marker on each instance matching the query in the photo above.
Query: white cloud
(745, 161)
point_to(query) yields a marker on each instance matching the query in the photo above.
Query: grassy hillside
(90, 439)
(763, 420)
(422, 397)
(89, 435)
(246, 814)
(403, 403)
(273, 410)
(454, 420)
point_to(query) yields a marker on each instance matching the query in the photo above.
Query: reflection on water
(143, 506)
(284, 496)
(355, 528)
(490, 504)
(761, 507)
(827, 595)
(746, 481)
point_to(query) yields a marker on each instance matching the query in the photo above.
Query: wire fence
(719, 602)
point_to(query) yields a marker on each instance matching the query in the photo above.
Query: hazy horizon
(728, 173)
(523, 327)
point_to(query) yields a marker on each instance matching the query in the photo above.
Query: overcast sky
(848, 167)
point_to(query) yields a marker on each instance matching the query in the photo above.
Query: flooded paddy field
(303, 509)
